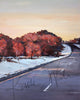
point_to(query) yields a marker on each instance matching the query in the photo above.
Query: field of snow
(7, 68)
(77, 45)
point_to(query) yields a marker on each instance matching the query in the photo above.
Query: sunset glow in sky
(62, 17)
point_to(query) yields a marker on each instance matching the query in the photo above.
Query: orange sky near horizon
(24, 16)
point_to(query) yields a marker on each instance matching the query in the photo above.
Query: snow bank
(7, 68)
(77, 45)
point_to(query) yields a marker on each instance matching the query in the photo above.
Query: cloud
(22, 16)
(40, 6)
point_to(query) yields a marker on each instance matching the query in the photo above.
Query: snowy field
(77, 45)
(7, 68)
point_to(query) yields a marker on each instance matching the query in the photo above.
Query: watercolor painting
(39, 50)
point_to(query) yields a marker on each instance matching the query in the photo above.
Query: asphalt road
(59, 80)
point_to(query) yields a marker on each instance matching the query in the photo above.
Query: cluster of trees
(42, 43)
(76, 40)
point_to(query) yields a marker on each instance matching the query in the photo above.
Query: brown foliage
(30, 37)
(32, 49)
(31, 44)
(17, 48)
(3, 48)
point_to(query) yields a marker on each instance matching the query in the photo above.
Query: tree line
(41, 43)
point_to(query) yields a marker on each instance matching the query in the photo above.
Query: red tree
(50, 45)
(3, 48)
(32, 49)
(30, 37)
(35, 44)
(17, 48)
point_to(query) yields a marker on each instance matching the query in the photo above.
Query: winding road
(58, 80)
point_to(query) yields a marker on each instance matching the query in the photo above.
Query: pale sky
(62, 17)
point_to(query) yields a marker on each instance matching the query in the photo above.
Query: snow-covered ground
(7, 68)
(77, 45)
